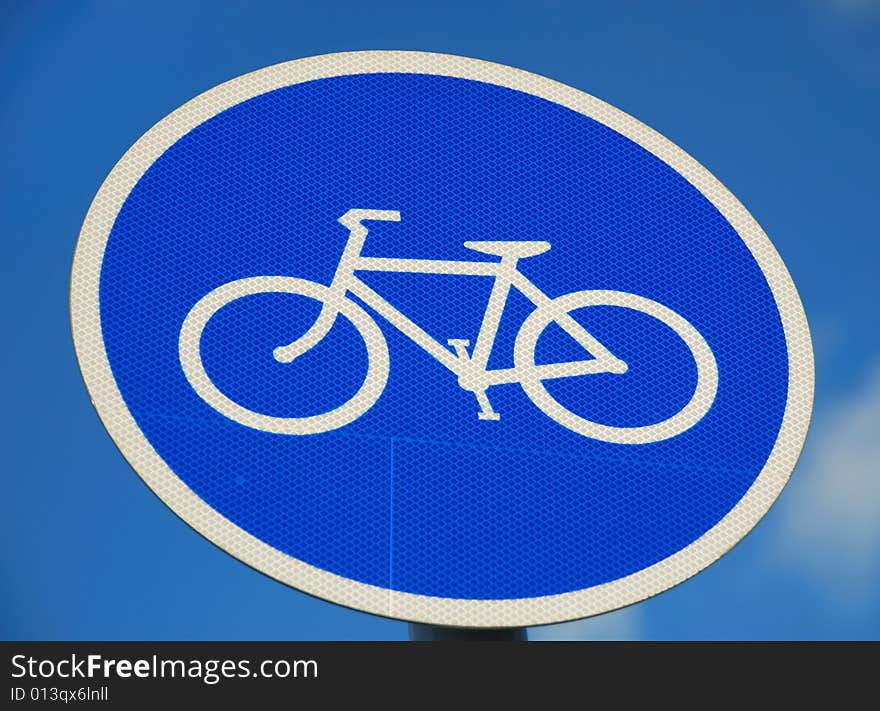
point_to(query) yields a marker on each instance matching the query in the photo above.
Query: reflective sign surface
(440, 339)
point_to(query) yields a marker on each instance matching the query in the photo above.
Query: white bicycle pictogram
(470, 367)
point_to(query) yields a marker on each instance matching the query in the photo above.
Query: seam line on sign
(391, 531)
(516, 450)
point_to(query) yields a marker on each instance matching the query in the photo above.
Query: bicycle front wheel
(531, 379)
(345, 413)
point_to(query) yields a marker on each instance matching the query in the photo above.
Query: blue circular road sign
(440, 339)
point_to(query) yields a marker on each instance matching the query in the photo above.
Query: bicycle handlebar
(353, 218)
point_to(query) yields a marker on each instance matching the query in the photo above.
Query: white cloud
(831, 512)
(850, 9)
(851, 30)
(625, 625)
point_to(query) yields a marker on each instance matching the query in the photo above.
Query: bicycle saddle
(509, 249)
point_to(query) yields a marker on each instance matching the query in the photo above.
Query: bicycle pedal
(486, 412)
(460, 346)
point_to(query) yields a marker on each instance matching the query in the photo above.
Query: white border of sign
(122, 427)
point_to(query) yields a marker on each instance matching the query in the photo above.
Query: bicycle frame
(471, 369)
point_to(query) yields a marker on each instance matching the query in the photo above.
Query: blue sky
(780, 101)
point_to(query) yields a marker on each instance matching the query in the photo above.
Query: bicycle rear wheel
(697, 406)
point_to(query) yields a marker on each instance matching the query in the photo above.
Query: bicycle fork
(353, 220)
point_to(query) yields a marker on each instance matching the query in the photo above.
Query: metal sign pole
(435, 633)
